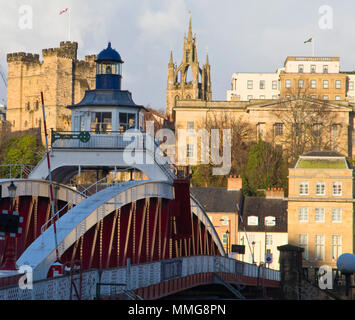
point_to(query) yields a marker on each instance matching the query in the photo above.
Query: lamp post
(10, 255)
(227, 233)
(253, 244)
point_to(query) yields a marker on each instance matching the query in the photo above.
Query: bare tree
(305, 124)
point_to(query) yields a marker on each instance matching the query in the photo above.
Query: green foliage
(202, 177)
(24, 149)
(265, 168)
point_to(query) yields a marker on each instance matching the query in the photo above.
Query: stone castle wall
(60, 75)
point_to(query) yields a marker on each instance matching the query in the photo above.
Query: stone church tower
(60, 75)
(188, 81)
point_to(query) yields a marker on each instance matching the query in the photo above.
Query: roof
(264, 207)
(107, 97)
(109, 54)
(323, 154)
(218, 199)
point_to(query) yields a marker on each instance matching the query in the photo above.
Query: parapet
(22, 56)
(91, 58)
(67, 49)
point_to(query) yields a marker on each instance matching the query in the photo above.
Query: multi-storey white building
(247, 86)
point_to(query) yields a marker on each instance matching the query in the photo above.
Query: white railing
(134, 277)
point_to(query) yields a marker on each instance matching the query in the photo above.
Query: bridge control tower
(98, 124)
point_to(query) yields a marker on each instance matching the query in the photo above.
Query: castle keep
(60, 75)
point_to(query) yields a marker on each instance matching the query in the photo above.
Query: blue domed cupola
(108, 69)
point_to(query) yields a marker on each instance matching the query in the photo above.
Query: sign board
(253, 221)
(268, 258)
(236, 248)
(270, 221)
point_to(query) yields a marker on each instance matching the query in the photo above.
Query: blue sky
(242, 36)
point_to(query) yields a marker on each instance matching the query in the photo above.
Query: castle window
(188, 97)
(36, 105)
(27, 106)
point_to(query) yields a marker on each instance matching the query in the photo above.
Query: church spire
(171, 58)
(207, 62)
(189, 36)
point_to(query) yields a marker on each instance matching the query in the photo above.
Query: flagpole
(313, 46)
(69, 24)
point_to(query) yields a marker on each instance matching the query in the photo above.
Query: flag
(63, 11)
(309, 40)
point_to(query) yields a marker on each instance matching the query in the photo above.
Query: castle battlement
(24, 57)
(67, 49)
(91, 58)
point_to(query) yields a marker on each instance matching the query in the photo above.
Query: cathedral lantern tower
(188, 81)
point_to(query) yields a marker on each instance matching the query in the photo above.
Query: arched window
(188, 97)
(177, 98)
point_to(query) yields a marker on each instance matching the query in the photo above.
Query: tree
(25, 149)
(240, 135)
(265, 168)
(305, 125)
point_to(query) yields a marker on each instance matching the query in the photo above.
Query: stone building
(60, 75)
(188, 80)
(321, 209)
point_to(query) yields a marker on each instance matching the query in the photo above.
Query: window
(253, 221)
(250, 97)
(250, 84)
(303, 214)
(336, 214)
(268, 239)
(303, 243)
(335, 130)
(225, 238)
(314, 97)
(190, 150)
(338, 84)
(313, 84)
(25, 124)
(337, 97)
(319, 250)
(225, 221)
(300, 68)
(262, 84)
(127, 120)
(320, 189)
(262, 97)
(325, 84)
(270, 221)
(337, 186)
(325, 69)
(187, 56)
(101, 122)
(190, 126)
(336, 246)
(313, 68)
(278, 129)
(274, 97)
(351, 85)
(274, 84)
(325, 98)
(36, 105)
(288, 83)
(303, 188)
(27, 106)
(317, 130)
(300, 84)
(319, 215)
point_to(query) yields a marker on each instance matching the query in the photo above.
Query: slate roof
(263, 207)
(217, 199)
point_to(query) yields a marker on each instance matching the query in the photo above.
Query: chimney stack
(274, 193)
(234, 183)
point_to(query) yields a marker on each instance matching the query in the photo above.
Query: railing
(18, 171)
(81, 194)
(134, 277)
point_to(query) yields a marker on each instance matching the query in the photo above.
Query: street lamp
(227, 233)
(253, 244)
(12, 193)
(10, 253)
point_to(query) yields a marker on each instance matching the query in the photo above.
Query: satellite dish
(346, 263)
